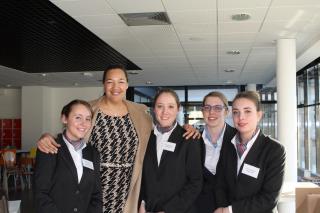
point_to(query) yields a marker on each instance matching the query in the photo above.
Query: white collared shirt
(161, 137)
(212, 150)
(249, 145)
(77, 158)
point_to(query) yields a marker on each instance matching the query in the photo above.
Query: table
(287, 199)
(14, 206)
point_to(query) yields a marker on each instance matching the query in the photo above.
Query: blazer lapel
(173, 138)
(153, 150)
(253, 152)
(255, 149)
(86, 154)
(66, 156)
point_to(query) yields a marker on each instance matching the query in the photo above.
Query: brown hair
(68, 108)
(218, 95)
(252, 96)
(112, 67)
(167, 90)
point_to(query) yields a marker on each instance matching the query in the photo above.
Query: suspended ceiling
(72, 41)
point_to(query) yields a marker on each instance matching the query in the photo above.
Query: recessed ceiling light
(8, 85)
(133, 72)
(228, 82)
(87, 74)
(229, 70)
(233, 52)
(149, 82)
(240, 17)
(43, 74)
(75, 84)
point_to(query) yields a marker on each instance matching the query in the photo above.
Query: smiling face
(78, 122)
(214, 112)
(166, 109)
(245, 117)
(115, 84)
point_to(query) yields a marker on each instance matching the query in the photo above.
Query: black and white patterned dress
(116, 140)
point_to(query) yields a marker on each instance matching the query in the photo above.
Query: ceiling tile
(193, 17)
(108, 20)
(84, 7)
(196, 28)
(179, 5)
(224, 4)
(239, 27)
(314, 3)
(139, 6)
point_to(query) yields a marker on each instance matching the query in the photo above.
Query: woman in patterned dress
(120, 133)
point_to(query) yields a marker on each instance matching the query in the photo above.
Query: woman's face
(115, 85)
(78, 122)
(166, 109)
(214, 112)
(245, 116)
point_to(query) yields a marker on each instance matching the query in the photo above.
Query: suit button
(75, 209)
(77, 192)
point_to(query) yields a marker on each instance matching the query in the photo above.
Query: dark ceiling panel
(38, 37)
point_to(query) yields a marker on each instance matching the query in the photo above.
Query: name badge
(168, 146)
(251, 171)
(87, 163)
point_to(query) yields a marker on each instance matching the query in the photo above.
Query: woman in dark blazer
(214, 136)
(172, 171)
(253, 165)
(70, 181)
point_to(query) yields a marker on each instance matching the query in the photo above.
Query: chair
(4, 205)
(10, 166)
(26, 164)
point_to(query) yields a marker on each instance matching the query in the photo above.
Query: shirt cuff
(230, 209)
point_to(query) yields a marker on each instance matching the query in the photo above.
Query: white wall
(41, 107)
(10, 103)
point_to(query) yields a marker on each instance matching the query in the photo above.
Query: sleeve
(183, 200)
(267, 199)
(44, 171)
(221, 189)
(95, 204)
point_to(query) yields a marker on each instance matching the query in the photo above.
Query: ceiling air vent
(142, 19)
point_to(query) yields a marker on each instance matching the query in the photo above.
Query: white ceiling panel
(194, 47)
(166, 52)
(138, 6)
(239, 27)
(290, 13)
(197, 38)
(314, 3)
(111, 32)
(178, 5)
(196, 28)
(223, 4)
(237, 37)
(84, 8)
(203, 61)
(100, 20)
(194, 17)
(200, 46)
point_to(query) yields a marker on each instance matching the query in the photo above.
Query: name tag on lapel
(168, 146)
(87, 163)
(251, 171)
